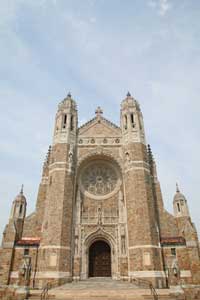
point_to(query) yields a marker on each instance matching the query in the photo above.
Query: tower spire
(177, 188)
(69, 95)
(22, 190)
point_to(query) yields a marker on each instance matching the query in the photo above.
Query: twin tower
(99, 210)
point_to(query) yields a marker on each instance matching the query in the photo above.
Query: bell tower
(56, 243)
(132, 121)
(144, 251)
(66, 122)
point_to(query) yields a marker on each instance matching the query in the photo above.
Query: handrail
(146, 283)
(44, 294)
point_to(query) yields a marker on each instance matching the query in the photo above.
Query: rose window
(99, 179)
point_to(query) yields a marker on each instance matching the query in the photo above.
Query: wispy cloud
(161, 6)
(98, 54)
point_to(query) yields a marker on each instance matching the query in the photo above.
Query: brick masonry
(99, 182)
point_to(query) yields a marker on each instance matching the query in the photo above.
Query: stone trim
(144, 246)
(48, 274)
(52, 274)
(185, 273)
(174, 246)
(14, 275)
(55, 247)
(191, 243)
(58, 163)
(57, 169)
(136, 168)
(147, 274)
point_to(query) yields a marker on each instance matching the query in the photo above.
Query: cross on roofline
(99, 111)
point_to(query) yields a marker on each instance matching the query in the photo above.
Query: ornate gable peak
(97, 119)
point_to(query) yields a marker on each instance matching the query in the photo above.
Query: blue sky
(98, 50)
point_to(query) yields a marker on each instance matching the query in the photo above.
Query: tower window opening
(72, 123)
(132, 120)
(65, 121)
(20, 209)
(173, 251)
(26, 251)
(125, 120)
(178, 206)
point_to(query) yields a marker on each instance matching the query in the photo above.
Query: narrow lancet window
(132, 120)
(178, 206)
(20, 209)
(125, 120)
(64, 121)
(72, 123)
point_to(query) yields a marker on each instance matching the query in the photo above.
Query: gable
(99, 127)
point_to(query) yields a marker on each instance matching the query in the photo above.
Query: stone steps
(106, 289)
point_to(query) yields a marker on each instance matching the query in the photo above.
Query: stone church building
(99, 210)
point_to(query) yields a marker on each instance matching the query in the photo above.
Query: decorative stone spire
(22, 190)
(150, 158)
(69, 95)
(98, 111)
(128, 94)
(177, 188)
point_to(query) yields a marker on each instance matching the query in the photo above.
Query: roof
(28, 241)
(177, 240)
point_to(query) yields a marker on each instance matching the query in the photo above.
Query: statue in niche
(121, 206)
(76, 240)
(127, 159)
(70, 158)
(76, 245)
(123, 241)
(99, 216)
(78, 206)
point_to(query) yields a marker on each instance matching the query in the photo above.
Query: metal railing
(44, 294)
(146, 284)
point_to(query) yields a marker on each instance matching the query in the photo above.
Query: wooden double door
(99, 260)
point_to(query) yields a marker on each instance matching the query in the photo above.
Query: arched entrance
(99, 259)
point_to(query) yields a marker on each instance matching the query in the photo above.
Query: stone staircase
(106, 289)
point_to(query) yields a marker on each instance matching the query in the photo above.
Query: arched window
(64, 121)
(178, 206)
(132, 120)
(20, 209)
(72, 123)
(125, 121)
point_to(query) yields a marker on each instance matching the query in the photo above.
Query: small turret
(18, 213)
(66, 121)
(18, 210)
(132, 120)
(180, 204)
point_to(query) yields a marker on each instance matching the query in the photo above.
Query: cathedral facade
(99, 210)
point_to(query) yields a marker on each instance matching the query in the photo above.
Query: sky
(98, 50)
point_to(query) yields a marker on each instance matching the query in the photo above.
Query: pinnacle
(128, 94)
(22, 189)
(69, 95)
(177, 188)
(149, 149)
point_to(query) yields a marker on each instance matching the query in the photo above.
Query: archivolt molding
(99, 234)
(99, 153)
